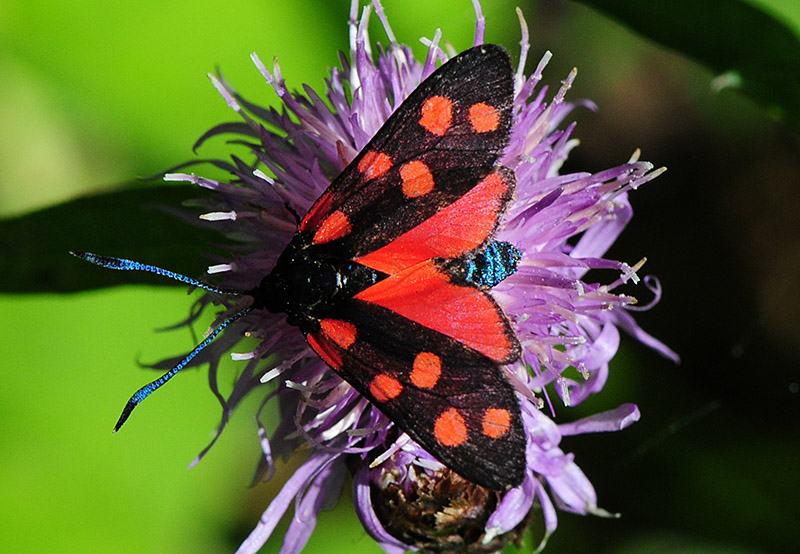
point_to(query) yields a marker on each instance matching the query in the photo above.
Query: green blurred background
(93, 94)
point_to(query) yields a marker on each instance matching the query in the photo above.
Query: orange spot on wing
(417, 179)
(335, 226)
(385, 387)
(483, 117)
(342, 333)
(450, 429)
(496, 422)
(460, 227)
(427, 370)
(374, 164)
(437, 115)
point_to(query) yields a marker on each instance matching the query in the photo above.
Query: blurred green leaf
(747, 47)
(139, 223)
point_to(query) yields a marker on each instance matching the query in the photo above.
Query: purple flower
(568, 328)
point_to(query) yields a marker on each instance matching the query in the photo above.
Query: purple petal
(274, 512)
(366, 513)
(612, 420)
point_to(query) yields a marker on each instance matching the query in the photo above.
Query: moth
(389, 274)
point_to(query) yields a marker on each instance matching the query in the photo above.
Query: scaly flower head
(568, 328)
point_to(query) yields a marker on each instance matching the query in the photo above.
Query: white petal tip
(220, 268)
(219, 216)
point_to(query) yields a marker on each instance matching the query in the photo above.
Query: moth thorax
(298, 284)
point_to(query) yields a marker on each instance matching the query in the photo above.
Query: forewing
(454, 401)
(436, 147)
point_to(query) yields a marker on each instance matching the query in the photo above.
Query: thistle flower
(568, 328)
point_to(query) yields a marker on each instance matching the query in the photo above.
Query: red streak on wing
(325, 350)
(425, 295)
(460, 227)
(321, 209)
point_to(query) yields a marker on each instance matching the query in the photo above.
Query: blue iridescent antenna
(130, 265)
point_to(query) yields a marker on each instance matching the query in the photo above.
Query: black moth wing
(376, 207)
(470, 382)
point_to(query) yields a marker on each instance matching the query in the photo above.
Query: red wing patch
(449, 233)
(450, 428)
(496, 422)
(340, 332)
(425, 295)
(417, 179)
(334, 227)
(483, 117)
(437, 115)
(374, 164)
(426, 370)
